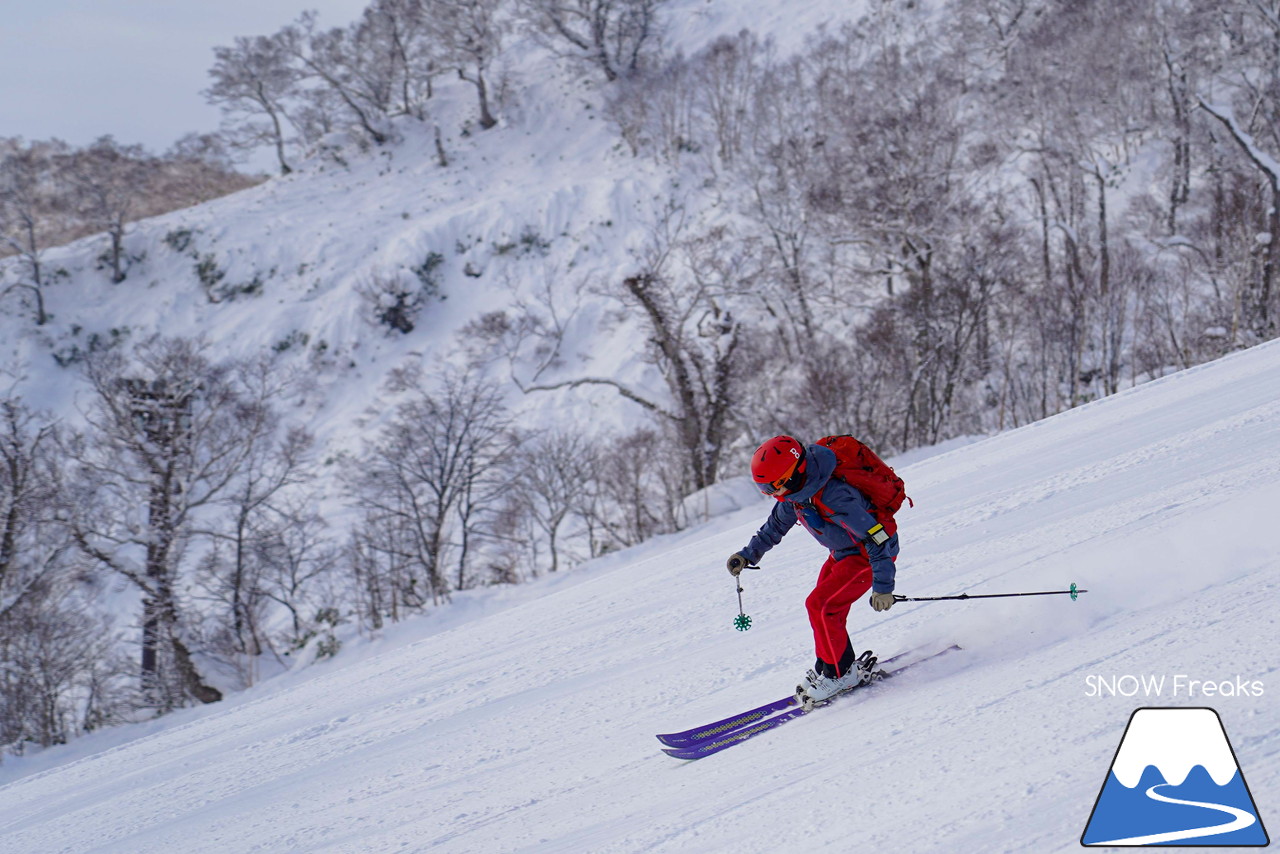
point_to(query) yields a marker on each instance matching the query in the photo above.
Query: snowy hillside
(524, 720)
(548, 203)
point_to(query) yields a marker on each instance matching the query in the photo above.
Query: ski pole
(741, 622)
(1073, 593)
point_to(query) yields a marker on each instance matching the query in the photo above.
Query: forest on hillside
(930, 223)
(52, 193)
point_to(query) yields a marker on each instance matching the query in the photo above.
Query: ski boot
(817, 687)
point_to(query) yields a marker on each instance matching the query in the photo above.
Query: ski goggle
(788, 483)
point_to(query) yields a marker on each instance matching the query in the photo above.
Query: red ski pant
(840, 584)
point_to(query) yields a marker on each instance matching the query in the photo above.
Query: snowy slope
(549, 201)
(524, 721)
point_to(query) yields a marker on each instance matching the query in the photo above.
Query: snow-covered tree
(29, 198)
(170, 432)
(468, 35)
(420, 485)
(59, 663)
(107, 184)
(254, 83)
(614, 36)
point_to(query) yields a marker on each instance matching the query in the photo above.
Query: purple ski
(690, 737)
(697, 735)
(714, 737)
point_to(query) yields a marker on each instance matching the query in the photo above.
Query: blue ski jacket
(843, 527)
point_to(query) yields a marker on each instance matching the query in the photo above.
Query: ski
(697, 735)
(690, 737)
(712, 738)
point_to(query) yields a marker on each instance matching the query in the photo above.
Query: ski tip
(677, 753)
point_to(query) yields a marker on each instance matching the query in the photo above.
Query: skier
(862, 553)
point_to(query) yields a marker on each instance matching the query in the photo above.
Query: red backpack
(858, 466)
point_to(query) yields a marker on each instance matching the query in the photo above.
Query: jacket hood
(819, 466)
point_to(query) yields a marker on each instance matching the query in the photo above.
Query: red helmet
(778, 466)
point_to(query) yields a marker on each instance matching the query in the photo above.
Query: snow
(293, 251)
(522, 719)
(310, 240)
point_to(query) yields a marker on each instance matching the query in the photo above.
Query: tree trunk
(117, 251)
(277, 137)
(482, 92)
(157, 552)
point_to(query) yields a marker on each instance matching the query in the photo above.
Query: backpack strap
(889, 527)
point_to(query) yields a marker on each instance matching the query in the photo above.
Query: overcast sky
(79, 69)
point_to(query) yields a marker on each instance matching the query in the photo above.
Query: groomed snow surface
(522, 719)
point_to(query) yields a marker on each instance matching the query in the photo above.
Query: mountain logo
(1175, 781)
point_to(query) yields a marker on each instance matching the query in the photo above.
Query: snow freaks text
(1179, 685)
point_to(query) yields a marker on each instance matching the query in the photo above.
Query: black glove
(882, 601)
(736, 563)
